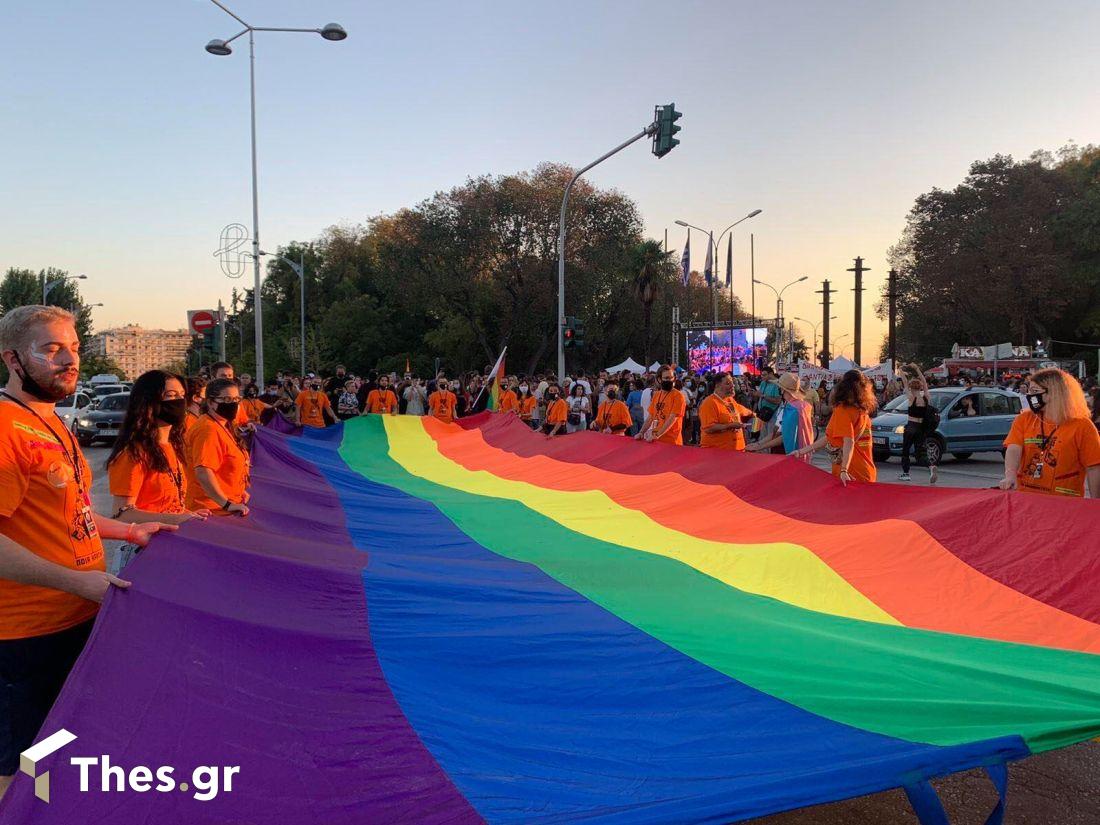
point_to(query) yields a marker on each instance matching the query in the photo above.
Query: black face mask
(172, 412)
(1036, 402)
(666, 386)
(227, 409)
(610, 395)
(33, 388)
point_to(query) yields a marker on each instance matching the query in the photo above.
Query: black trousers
(32, 672)
(911, 440)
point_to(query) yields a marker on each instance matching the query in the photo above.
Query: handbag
(574, 418)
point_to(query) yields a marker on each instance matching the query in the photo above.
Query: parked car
(959, 433)
(103, 390)
(68, 408)
(101, 419)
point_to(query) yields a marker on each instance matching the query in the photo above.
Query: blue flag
(729, 262)
(685, 261)
(708, 270)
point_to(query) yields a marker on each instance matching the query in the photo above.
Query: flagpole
(729, 279)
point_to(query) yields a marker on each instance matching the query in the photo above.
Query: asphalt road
(1057, 788)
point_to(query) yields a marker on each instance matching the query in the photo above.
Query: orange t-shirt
(1058, 455)
(662, 407)
(152, 491)
(250, 410)
(558, 412)
(853, 423)
(311, 407)
(210, 445)
(509, 402)
(715, 410)
(40, 509)
(441, 404)
(381, 402)
(614, 415)
(527, 406)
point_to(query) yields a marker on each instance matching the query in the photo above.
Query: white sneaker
(903, 477)
(933, 474)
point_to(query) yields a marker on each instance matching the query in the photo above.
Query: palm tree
(650, 262)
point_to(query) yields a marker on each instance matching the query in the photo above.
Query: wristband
(225, 506)
(130, 532)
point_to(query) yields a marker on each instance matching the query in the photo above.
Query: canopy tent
(656, 365)
(629, 364)
(842, 364)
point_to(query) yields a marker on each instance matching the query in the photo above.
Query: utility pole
(826, 302)
(859, 269)
(221, 330)
(892, 300)
(674, 356)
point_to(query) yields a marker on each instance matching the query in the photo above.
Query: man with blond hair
(52, 572)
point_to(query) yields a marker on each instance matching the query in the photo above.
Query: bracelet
(225, 506)
(130, 532)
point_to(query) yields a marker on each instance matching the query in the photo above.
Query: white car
(68, 408)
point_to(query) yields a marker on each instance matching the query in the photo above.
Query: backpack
(931, 419)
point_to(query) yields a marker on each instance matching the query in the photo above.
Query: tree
(98, 365)
(654, 269)
(1011, 254)
(23, 287)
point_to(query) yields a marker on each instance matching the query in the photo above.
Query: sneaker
(933, 474)
(903, 477)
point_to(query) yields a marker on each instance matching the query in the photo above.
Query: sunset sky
(127, 144)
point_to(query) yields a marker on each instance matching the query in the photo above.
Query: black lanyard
(77, 466)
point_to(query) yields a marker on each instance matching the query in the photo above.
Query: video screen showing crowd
(182, 453)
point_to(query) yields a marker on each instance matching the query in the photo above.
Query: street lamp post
(836, 341)
(714, 245)
(300, 270)
(815, 327)
(647, 131)
(47, 286)
(779, 311)
(331, 31)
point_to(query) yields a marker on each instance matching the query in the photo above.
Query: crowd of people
(182, 453)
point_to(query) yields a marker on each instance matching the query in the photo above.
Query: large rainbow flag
(436, 623)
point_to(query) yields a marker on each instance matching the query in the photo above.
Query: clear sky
(126, 144)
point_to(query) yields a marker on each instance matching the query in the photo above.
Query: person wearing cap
(795, 418)
(722, 420)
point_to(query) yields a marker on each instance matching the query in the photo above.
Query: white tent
(842, 364)
(656, 365)
(629, 364)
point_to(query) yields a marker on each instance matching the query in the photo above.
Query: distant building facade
(137, 350)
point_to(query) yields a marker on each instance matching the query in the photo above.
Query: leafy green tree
(1010, 254)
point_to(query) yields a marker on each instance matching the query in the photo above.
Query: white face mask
(523, 388)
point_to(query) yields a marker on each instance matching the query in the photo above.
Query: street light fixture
(299, 268)
(47, 286)
(815, 327)
(779, 310)
(714, 275)
(332, 32)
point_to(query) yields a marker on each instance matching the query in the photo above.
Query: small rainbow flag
(497, 374)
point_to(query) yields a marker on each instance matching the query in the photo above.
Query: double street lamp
(47, 286)
(779, 310)
(333, 32)
(815, 327)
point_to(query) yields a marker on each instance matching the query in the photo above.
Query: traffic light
(210, 340)
(569, 334)
(665, 117)
(578, 333)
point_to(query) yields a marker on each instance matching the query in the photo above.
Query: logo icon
(29, 759)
